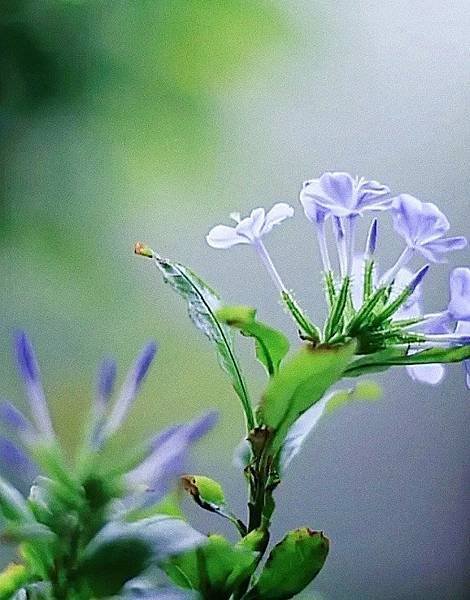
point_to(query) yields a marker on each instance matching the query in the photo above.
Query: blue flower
(453, 321)
(341, 195)
(251, 230)
(344, 198)
(167, 457)
(424, 226)
(163, 457)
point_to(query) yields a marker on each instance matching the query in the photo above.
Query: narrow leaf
(270, 345)
(381, 361)
(12, 504)
(203, 303)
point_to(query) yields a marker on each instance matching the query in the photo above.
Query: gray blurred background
(151, 120)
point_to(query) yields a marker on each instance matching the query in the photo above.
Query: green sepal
(307, 329)
(203, 303)
(299, 384)
(368, 283)
(381, 361)
(291, 565)
(336, 316)
(330, 288)
(271, 345)
(362, 317)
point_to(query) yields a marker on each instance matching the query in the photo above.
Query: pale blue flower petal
(430, 374)
(29, 370)
(463, 327)
(130, 389)
(167, 459)
(373, 195)
(278, 213)
(435, 250)
(340, 195)
(106, 380)
(223, 237)
(459, 305)
(14, 419)
(257, 218)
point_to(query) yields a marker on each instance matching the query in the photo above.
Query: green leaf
(270, 344)
(291, 566)
(214, 569)
(122, 550)
(203, 303)
(12, 504)
(299, 384)
(381, 361)
(113, 564)
(12, 578)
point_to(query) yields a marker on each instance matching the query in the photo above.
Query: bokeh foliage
(97, 95)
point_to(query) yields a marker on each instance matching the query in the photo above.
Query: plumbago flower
(423, 226)
(91, 528)
(374, 323)
(455, 319)
(251, 230)
(340, 196)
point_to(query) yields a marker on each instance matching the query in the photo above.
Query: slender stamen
(402, 261)
(325, 257)
(448, 338)
(351, 236)
(268, 263)
(341, 241)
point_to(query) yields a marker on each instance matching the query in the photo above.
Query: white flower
(250, 229)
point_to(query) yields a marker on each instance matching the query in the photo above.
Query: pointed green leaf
(291, 566)
(381, 361)
(203, 303)
(12, 578)
(12, 504)
(270, 345)
(299, 384)
(122, 550)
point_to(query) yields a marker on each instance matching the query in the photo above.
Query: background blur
(152, 120)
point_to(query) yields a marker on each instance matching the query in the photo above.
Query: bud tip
(143, 250)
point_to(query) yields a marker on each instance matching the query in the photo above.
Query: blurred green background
(126, 120)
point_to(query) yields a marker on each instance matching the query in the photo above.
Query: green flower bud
(291, 566)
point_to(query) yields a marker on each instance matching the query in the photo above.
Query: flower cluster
(379, 311)
(79, 517)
